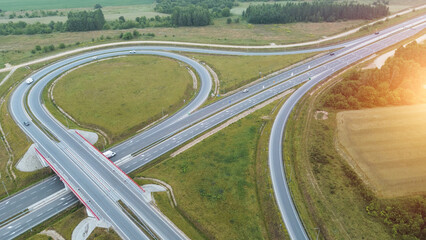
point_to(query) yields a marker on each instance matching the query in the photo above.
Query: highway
(282, 193)
(80, 161)
(184, 120)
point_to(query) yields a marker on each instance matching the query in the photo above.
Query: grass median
(216, 183)
(120, 96)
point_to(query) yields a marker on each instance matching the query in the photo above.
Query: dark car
(332, 54)
(377, 33)
(27, 123)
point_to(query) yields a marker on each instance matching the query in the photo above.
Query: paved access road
(143, 157)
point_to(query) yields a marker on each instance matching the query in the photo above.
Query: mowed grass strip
(236, 71)
(215, 182)
(122, 95)
(387, 147)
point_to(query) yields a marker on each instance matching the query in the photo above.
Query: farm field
(122, 95)
(16, 5)
(387, 147)
(110, 13)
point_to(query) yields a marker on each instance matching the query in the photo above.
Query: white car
(245, 90)
(133, 51)
(29, 80)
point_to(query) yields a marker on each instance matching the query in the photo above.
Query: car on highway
(26, 123)
(332, 54)
(133, 51)
(29, 80)
(245, 90)
(109, 154)
(377, 33)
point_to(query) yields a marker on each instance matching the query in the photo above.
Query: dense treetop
(400, 81)
(312, 12)
(167, 6)
(85, 21)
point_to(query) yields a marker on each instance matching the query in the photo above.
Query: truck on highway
(109, 154)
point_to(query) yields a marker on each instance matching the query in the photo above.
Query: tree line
(95, 20)
(400, 81)
(85, 21)
(76, 21)
(312, 12)
(216, 6)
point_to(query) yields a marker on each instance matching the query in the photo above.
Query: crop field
(387, 147)
(110, 13)
(16, 5)
(122, 95)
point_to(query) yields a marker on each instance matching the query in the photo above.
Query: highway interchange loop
(177, 129)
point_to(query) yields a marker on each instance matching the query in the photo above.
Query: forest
(85, 21)
(76, 21)
(191, 16)
(312, 12)
(215, 6)
(400, 81)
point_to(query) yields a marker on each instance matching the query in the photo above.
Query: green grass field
(215, 183)
(39, 237)
(163, 203)
(103, 234)
(65, 226)
(122, 95)
(16, 5)
(236, 71)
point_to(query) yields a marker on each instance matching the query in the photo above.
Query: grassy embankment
(120, 96)
(222, 186)
(103, 234)
(236, 71)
